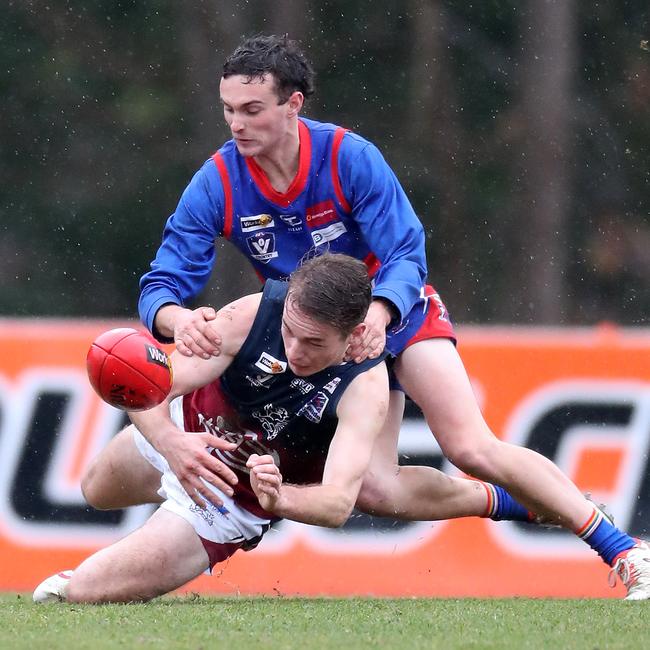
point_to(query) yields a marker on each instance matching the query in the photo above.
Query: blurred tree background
(520, 130)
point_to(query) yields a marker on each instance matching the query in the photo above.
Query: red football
(127, 369)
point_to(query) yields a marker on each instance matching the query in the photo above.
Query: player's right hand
(266, 480)
(194, 332)
(190, 460)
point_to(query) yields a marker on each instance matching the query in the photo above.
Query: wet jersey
(344, 199)
(292, 418)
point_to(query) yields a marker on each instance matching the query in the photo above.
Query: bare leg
(120, 476)
(159, 557)
(414, 493)
(433, 374)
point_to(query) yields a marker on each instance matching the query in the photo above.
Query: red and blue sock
(605, 538)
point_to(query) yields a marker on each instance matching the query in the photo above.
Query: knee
(77, 593)
(372, 496)
(479, 460)
(86, 587)
(91, 488)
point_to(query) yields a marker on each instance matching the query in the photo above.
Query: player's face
(257, 122)
(310, 346)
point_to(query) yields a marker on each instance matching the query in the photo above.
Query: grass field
(305, 624)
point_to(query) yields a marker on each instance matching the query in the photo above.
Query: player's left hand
(266, 480)
(373, 341)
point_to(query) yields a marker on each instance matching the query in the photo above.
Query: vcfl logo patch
(262, 246)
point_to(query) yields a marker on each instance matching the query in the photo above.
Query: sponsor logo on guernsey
(157, 356)
(262, 246)
(293, 221)
(256, 222)
(273, 420)
(260, 381)
(330, 386)
(270, 364)
(303, 386)
(321, 214)
(328, 234)
(313, 410)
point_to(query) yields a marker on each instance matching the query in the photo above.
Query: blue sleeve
(387, 221)
(185, 259)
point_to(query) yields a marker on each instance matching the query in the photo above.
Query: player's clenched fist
(266, 480)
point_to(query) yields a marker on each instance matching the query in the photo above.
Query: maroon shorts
(220, 551)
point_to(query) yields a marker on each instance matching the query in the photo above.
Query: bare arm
(361, 412)
(187, 453)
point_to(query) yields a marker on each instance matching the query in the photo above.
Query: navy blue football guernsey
(260, 385)
(293, 418)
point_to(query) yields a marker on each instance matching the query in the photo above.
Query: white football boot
(52, 589)
(633, 568)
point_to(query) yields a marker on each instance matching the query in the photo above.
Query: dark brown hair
(332, 288)
(275, 55)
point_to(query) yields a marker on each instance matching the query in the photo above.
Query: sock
(501, 506)
(607, 540)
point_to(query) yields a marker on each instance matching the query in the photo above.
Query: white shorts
(222, 530)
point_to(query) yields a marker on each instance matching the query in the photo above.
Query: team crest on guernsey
(256, 222)
(273, 420)
(262, 246)
(315, 407)
(270, 364)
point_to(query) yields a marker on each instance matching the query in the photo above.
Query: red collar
(300, 179)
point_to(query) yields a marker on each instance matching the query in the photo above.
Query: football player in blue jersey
(285, 186)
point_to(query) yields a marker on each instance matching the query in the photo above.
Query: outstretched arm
(187, 453)
(361, 412)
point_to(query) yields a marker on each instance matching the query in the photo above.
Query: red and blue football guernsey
(344, 199)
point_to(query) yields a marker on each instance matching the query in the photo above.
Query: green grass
(305, 624)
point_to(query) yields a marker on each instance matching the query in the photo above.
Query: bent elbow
(339, 516)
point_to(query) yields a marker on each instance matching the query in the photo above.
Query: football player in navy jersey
(302, 427)
(285, 185)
